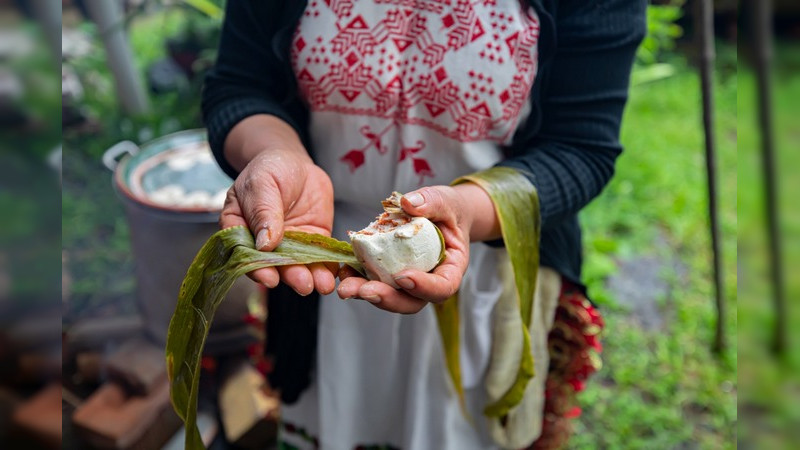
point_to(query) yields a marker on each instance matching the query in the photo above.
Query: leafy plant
(662, 31)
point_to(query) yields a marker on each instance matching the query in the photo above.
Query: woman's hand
(463, 213)
(281, 189)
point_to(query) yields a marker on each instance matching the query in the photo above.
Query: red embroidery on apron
(356, 157)
(391, 66)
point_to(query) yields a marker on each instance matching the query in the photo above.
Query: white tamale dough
(386, 249)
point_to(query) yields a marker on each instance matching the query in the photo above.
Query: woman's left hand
(454, 211)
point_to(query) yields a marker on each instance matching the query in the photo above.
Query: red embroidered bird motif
(423, 169)
(408, 151)
(354, 159)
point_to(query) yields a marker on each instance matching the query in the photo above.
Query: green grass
(664, 388)
(769, 385)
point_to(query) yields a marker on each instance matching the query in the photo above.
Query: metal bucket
(166, 235)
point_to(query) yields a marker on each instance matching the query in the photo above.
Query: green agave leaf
(226, 256)
(517, 204)
(447, 317)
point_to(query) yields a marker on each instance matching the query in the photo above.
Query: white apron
(405, 94)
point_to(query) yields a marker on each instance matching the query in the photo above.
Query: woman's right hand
(279, 190)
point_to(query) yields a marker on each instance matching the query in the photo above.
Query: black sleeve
(252, 72)
(571, 156)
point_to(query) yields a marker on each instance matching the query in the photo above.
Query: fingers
(306, 279)
(262, 214)
(231, 214)
(435, 203)
(348, 287)
(262, 209)
(417, 288)
(395, 301)
(258, 200)
(298, 278)
(346, 271)
(434, 287)
(381, 295)
(324, 281)
(268, 276)
(321, 276)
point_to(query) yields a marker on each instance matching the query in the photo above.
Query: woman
(323, 108)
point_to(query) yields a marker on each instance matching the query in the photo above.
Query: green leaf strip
(517, 205)
(447, 317)
(226, 256)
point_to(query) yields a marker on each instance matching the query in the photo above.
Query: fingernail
(262, 238)
(415, 199)
(371, 298)
(405, 282)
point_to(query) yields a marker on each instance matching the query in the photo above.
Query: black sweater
(567, 146)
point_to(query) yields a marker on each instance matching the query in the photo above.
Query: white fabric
(403, 94)
(523, 422)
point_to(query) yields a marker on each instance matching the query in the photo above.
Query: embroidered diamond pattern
(461, 68)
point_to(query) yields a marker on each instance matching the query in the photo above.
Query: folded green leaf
(517, 204)
(226, 256)
(447, 317)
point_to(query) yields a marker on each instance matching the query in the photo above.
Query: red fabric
(575, 349)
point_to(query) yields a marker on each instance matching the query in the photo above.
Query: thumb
(263, 213)
(430, 202)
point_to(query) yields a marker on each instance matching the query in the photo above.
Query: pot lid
(177, 172)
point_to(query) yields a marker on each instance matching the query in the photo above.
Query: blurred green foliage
(662, 31)
(654, 58)
(770, 389)
(30, 259)
(95, 233)
(662, 387)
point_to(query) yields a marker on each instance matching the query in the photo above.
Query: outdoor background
(646, 237)
(647, 245)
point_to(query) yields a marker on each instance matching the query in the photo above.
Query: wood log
(39, 418)
(110, 418)
(138, 365)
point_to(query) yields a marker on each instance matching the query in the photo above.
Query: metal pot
(166, 236)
